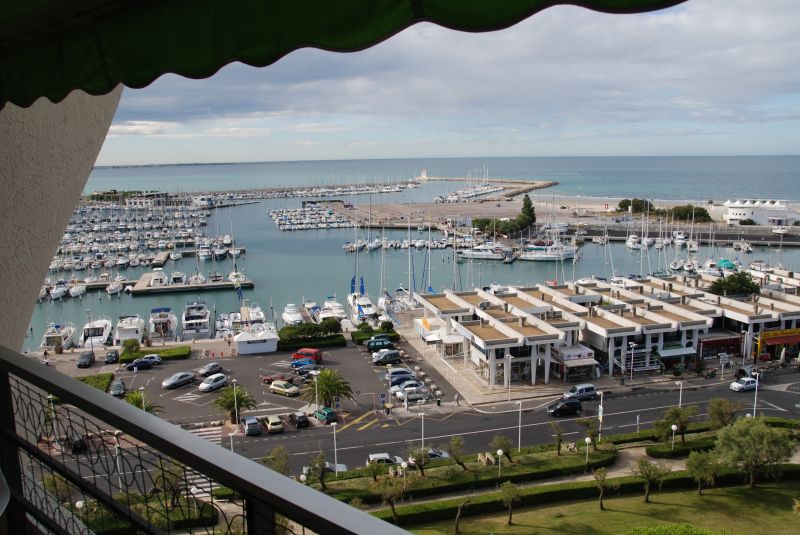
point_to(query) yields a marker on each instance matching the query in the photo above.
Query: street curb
(201, 425)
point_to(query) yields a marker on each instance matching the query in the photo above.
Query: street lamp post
(91, 338)
(499, 462)
(680, 393)
(588, 441)
(755, 398)
(632, 346)
(674, 428)
(335, 451)
(51, 399)
(235, 406)
(519, 428)
(141, 394)
(422, 421)
(193, 491)
(404, 465)
(316, 394)
(600, 418)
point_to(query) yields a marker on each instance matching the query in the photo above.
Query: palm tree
(230, 401)
(329, 385)
(136, 398)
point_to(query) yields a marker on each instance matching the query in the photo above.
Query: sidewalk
(474, 391)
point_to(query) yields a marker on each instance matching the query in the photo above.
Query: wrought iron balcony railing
(77, 461)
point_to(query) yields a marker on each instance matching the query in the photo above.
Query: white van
(582, 392)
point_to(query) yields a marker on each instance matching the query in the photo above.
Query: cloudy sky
(708, 77)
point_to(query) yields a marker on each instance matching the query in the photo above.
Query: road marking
(368, 424)
(385, 425)
(353, 422)
(772, 405)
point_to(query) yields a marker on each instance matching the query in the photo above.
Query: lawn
(738, 510)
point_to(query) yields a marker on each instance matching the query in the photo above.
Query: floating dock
(142, 286)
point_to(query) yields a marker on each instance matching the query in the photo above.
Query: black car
(298, 419)
(76, 444)
(139, 364)
(210, 369)
(565, 407)
(117, 388)
(303, 371)
(86, 360)
(112, 356)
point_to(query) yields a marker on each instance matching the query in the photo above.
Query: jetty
(142, 286)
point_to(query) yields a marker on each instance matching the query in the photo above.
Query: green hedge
(665, 451)
(651, 435)
(360, 337)
(170, 353)
(100, 381)
(490, 503)
(461, 480)
(224, 493)
(336, 340)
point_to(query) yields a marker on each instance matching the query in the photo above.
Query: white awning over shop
(575, 363)
(677, 352)
(432, 337)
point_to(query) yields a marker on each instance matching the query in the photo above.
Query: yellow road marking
(353, 422)
(385, 425)
(368, 424)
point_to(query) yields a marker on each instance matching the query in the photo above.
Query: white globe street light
(674, 428)
(141, 392)
(499, 462)
(404, 465)
(303, 479)
(588, 441)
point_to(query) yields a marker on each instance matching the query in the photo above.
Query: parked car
(391, 372)
(383, 458)
(270, 377)
(329, 467)
(274, 424)
(377, 345)
(309, 369)
(112, 356)
(251, 425)
(86, 360)
(308, 353)
(284, 388)
(153, 358)
(299, 419)
(379, 337)
(210, 369)
(117, 388)
(433, 453)
(76, 443)
(565, 407)
(743, 384)
(299, 363)
(386, 356)
(410, 383)
(139, 364)
(413, 394)
(177, 379)
(581, 392)
(212, 382)
(400, 379)
(325, 415)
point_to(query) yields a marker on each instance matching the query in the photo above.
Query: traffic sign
(383, 396)
(336, 399)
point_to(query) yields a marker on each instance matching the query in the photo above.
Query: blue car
(139, 364)
(302, 362)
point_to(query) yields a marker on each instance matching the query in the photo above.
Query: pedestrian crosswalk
(212, 434)
(200, 486)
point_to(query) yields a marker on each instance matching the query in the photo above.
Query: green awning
(51, 47)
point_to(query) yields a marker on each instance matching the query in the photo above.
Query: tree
(134, 397)
(639, 205)
(319, 471)
(502, 442)
(739, 283)
(374, 470)
(590, 429)
(170, 481)
(652, 474)
(231, 401)
(131, 345)
(528, 213)
(602, 484)
(558, 436)
(681, 417)
(455, 447)
(329, 385)
(390, 489)
(421, 458)
(278, 460)
(704, 467)
(510, 495)
(754, 447)
(722, 412)
(461, 506)
(688, 212)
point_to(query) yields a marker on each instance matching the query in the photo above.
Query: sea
(295, 267)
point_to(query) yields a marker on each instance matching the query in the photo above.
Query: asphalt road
(367, 432)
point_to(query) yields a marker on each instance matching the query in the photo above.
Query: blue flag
(362, 286)
(239, 293)
(353, 285)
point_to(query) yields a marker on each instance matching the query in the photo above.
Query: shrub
(336, 340)
(170, 353)
(100, 381)
(359, 337)
(665, 451)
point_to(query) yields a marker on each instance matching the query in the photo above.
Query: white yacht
(204, 252)
(129, 328)
(114, 287)
(77, 290)
(551, 253)
(256, 314)
(96, 333)
(362, 309)
(291, 315)
(58, 335)
(331, 308)
(633, 242)
(178, 277)
(237, 276)
(175, 256)
(483, 252)
(158, 278)
(163, 324)
(196, 321)
(197, 278)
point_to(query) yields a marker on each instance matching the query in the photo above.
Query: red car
(267, 379)
(307, 353)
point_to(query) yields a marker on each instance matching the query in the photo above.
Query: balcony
(77, 460)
